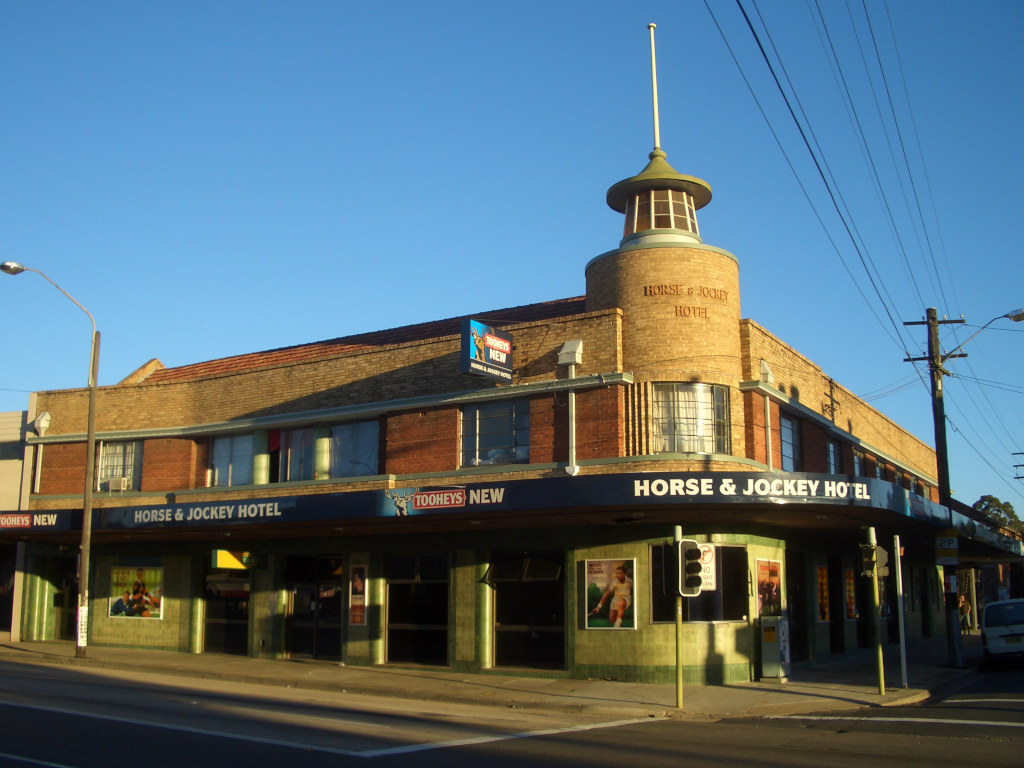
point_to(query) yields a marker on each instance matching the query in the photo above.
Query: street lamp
(82, 634)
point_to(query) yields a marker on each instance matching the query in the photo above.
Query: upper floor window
(496, 433)
(661, 209)
(858, 463)
(835, 457)
(355, 448)
(292, 454)
(120, 465)
(790, 444)
(231, 461)
(690, 418)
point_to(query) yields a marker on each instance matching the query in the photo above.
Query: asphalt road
(55, 716)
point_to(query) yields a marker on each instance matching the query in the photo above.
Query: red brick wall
(422, 441)
(813, 442)
(600, 423)
(63, 469)
(169, 464)
(549, 429)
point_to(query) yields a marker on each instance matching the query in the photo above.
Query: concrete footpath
(842, 684)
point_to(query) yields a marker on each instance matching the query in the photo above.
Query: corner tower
(679, 298)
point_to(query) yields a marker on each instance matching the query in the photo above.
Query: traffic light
(867, 559)
(689, 568)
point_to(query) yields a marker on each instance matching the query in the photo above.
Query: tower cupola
(660, 204)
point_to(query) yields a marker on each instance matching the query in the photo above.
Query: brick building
(365, 500)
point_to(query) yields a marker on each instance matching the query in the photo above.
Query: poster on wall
(357, 596)
(822, 593)
(135, 592)
(769, 588)
(610, 595)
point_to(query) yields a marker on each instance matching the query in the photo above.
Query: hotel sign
(486, 351)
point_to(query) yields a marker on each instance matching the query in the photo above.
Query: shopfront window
(729, 602)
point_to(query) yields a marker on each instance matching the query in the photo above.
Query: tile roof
(300, 353)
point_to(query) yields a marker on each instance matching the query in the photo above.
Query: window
(858, 463)
(120, 465)
(354, 449)
(690, 418)
(496, 433)
(791, 459)
(729, 602)
(231, 461)
(835, 457)
(292, 455)
(666, 208)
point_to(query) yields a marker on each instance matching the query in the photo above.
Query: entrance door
(417, 611)
(65, 598)
(227, 612)
(314, 624)
(529, 608)
(836, 606)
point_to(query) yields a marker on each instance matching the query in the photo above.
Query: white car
(1002, 629)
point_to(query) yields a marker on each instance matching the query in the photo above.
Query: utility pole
(935, 360)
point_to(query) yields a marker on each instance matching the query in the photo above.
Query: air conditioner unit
(117, 484)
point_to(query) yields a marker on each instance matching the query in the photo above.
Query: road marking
(499, 737)
(305, 746)
(30, 761)
(928, 720)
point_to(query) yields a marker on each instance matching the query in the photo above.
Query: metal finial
(654, 89)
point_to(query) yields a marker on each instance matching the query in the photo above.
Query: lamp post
(935, 360)
(82, 633)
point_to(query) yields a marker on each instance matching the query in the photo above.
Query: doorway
(529, 608)
(316, 588)
(417, 609)
(227, 612)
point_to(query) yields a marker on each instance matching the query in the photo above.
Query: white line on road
(405, 749)
(31, 761)
(499, 737)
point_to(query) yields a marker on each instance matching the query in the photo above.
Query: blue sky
(219, 178)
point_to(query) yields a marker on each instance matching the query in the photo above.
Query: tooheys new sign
(486, 351)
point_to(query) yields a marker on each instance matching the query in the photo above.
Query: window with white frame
(690, 418)
(790, 444)
(355, 449)
(835, 457)
(231, 461)
(661, 209)
(120, 465)
(496, 433)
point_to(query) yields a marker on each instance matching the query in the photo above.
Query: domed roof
(658, 175)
